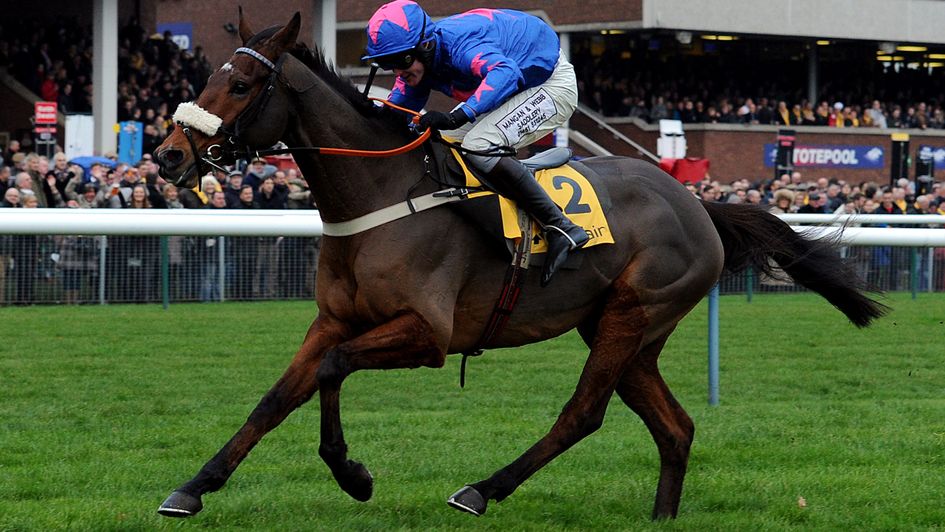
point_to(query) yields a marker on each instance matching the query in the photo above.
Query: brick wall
(737, 151)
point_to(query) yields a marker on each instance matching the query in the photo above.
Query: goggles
(398, 61)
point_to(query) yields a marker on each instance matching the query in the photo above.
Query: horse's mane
(316, 62)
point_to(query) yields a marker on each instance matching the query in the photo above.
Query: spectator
(834, 197)
(171, 198)
(888, 204)
(208, 186)
(24, 183)
(853, 205)
(272, 196)
(753, 197)
(763, 113)
(876, 114)
(816, 204)
(140, 255)
(78, 260)
(217, 200)
(13, 149)
(5, 182)
(783, 201)
(300, 197)
(242, 253)
(37, 180)
(11, 198)
(258, 171)
(25, 253)
(139, 198)
(233, 189)
(245, 199)
(62, 172)
(85, 195)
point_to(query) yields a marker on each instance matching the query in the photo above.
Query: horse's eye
(239, 88)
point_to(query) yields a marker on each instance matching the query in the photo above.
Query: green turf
(105, 410)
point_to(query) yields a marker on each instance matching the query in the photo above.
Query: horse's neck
(347, 187)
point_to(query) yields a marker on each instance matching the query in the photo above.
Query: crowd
(54, 60)
(691, 90)
(884, 266)
(255, 268)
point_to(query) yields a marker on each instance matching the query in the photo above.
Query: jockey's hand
(443, 121)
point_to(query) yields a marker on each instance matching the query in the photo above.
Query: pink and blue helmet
(397, 27)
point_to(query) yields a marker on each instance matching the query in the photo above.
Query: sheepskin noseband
(191, 114)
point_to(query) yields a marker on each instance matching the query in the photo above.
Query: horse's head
(223, 120)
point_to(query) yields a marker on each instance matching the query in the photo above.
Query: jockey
(514, 85)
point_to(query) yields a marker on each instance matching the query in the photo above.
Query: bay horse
(410, 292)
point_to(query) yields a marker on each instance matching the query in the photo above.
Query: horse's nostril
(174, 157)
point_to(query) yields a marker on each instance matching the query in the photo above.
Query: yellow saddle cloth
(569, 189)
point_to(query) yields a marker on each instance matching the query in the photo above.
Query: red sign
(45, 129)
(46, 112)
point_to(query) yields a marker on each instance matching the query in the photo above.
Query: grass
(105, 410)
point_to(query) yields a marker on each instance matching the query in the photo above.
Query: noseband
(190, 116)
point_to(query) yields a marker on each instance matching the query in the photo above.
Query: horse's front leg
(296, 386)
(407, 341)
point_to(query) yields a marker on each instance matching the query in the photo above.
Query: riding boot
(510, 178)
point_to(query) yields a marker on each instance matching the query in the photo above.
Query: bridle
(190, 116)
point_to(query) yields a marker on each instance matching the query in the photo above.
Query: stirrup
(554, 262)
(572, 244)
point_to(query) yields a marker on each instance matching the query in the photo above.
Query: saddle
(568, 183)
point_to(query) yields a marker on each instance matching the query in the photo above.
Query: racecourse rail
(223, 222)
(307, 223)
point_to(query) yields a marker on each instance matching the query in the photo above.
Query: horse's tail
(751, 236)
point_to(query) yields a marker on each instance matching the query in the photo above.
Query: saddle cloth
(568, 188)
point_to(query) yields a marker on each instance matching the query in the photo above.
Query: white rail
(201, 222)
(891, 219)
(159, 222)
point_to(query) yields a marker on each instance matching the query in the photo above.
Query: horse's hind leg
(294, 388)
(618, 338)
(642, 388)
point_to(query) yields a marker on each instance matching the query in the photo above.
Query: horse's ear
(286, 37)
(245, 33)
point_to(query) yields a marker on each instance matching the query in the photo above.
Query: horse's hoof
(180, 504)
(357, 482)
(468, 500)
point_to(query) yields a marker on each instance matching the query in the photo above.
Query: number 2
(574, 205)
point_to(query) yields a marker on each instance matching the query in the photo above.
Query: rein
(191, 116)
(347, 152)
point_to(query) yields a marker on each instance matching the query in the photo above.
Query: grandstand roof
(916, 21)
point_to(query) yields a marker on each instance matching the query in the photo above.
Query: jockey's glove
(443, 121)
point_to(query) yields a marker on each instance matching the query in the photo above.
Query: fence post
(914, 271)
(165, 273)
(930, 270)
(714, 346)
(102, 255)
(221, 260)
(749, 282)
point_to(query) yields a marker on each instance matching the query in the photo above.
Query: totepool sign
(831, 156)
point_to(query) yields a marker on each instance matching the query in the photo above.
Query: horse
(407, 293)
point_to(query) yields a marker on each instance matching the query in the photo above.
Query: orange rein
(383, 153)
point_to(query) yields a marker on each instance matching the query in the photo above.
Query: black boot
(511, 179)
